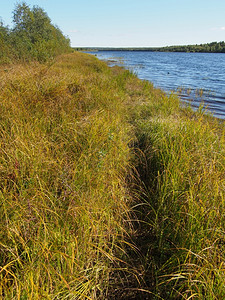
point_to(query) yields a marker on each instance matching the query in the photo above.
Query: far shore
(214, 47)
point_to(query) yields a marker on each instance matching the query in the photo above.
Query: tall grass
(109, 190)
(64, 161)
(182, 167)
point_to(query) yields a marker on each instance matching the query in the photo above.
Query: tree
(5, 47)
(34, 36)
(34, 23)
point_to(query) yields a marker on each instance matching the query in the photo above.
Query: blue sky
(132, 23)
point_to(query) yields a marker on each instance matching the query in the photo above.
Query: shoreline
(110, 190)
(194, 97)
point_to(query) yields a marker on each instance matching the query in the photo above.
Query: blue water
(196, 77)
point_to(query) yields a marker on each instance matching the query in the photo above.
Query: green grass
(109, 190)
(184, 182)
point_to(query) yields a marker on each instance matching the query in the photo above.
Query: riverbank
(109, 189)
(195, 77)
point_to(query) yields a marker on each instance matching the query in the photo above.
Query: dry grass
(71, 131)
(64, 160)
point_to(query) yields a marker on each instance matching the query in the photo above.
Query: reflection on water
(195, 77)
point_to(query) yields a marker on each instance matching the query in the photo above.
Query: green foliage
(32, 37)
(5, 45)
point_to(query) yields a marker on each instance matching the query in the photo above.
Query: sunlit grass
(108, 187)
(184, 158)
(64, 161)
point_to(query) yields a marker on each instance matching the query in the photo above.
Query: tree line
(32, 37)
(214, 47)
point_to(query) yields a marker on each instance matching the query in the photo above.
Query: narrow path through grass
(109, 190)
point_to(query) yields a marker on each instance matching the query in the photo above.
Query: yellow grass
(108, 188)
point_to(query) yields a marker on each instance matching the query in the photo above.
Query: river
(196, 77)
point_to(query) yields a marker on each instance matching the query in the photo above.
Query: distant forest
(214, 47)
(33, 36)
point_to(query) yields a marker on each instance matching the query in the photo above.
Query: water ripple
(197, 77)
